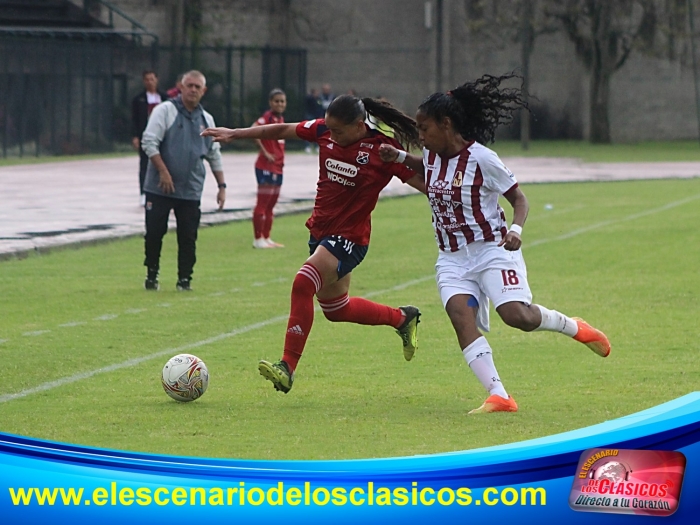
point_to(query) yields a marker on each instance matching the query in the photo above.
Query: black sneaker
(151, 284)
(183, 285)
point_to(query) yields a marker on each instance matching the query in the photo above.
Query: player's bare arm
(389, 153)
(269, 156)
(265, 132)
(517, 199)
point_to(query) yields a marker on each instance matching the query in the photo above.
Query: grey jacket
(174, 132)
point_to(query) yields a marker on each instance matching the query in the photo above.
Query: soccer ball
(185, 377)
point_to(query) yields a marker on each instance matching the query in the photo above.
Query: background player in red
(351, 175)
(480, 258)
(268, 171)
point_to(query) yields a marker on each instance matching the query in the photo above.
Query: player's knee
(335, 317)
(518, 316)
(336, 310)
(303, 285)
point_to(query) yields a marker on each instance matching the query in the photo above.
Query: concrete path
(54, 204)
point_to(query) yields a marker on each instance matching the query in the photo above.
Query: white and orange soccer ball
(185, 377)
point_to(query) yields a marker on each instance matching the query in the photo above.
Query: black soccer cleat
(408, 331)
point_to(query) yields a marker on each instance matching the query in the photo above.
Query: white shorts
(485, 271)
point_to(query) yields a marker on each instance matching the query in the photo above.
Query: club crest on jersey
(457, 181)
(362, 157)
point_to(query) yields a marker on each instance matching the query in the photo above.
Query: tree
(604, 33)
(506, 22)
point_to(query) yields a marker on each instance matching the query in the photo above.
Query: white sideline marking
(173, 351)
(106, 317)
(35, 332)
(632, 217)
(72, 324)
(3, 341)
(138, 360)
(135, 311)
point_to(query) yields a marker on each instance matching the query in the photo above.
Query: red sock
(361, 311)
(259, 215)
(269, 215)
(306, 283)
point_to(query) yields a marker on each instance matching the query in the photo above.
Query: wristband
(516, 229)
(222, 185)
(401, 157)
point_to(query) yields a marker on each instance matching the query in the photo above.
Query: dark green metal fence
(67, 97)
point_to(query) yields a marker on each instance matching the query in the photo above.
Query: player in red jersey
(351, 175)
(480, 258)
(268, 171)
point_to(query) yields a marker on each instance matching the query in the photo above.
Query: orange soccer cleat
(496, 403)
(592, 338)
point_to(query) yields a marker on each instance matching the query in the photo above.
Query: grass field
(681, 150)
(622, 255)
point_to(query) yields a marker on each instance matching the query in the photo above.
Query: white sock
(480, 359)
(553, 321)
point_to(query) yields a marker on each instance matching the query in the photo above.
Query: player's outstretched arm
(266, 132)
(389, 153)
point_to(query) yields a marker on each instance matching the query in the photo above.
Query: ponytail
(348, 109)
(404, 126)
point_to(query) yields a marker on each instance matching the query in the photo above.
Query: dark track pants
(143, 166)
(187, 215)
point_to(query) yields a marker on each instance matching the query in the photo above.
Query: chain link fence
(71, 97)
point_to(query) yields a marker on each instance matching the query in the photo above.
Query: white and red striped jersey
(463, 193)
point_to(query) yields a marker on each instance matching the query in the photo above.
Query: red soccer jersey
(349, 182)
(276, 147)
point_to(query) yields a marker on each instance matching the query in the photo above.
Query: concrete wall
(382, 47)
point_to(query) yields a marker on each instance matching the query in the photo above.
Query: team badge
(362, 157)
(457, 181)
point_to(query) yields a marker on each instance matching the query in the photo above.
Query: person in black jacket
(141, 108)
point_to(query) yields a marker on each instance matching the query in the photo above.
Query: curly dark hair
(477, 108)
(348, 109)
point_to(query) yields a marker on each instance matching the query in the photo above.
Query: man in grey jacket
(175, 176)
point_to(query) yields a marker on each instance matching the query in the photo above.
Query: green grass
(33, 159)
(634, 276)
(686, 150)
